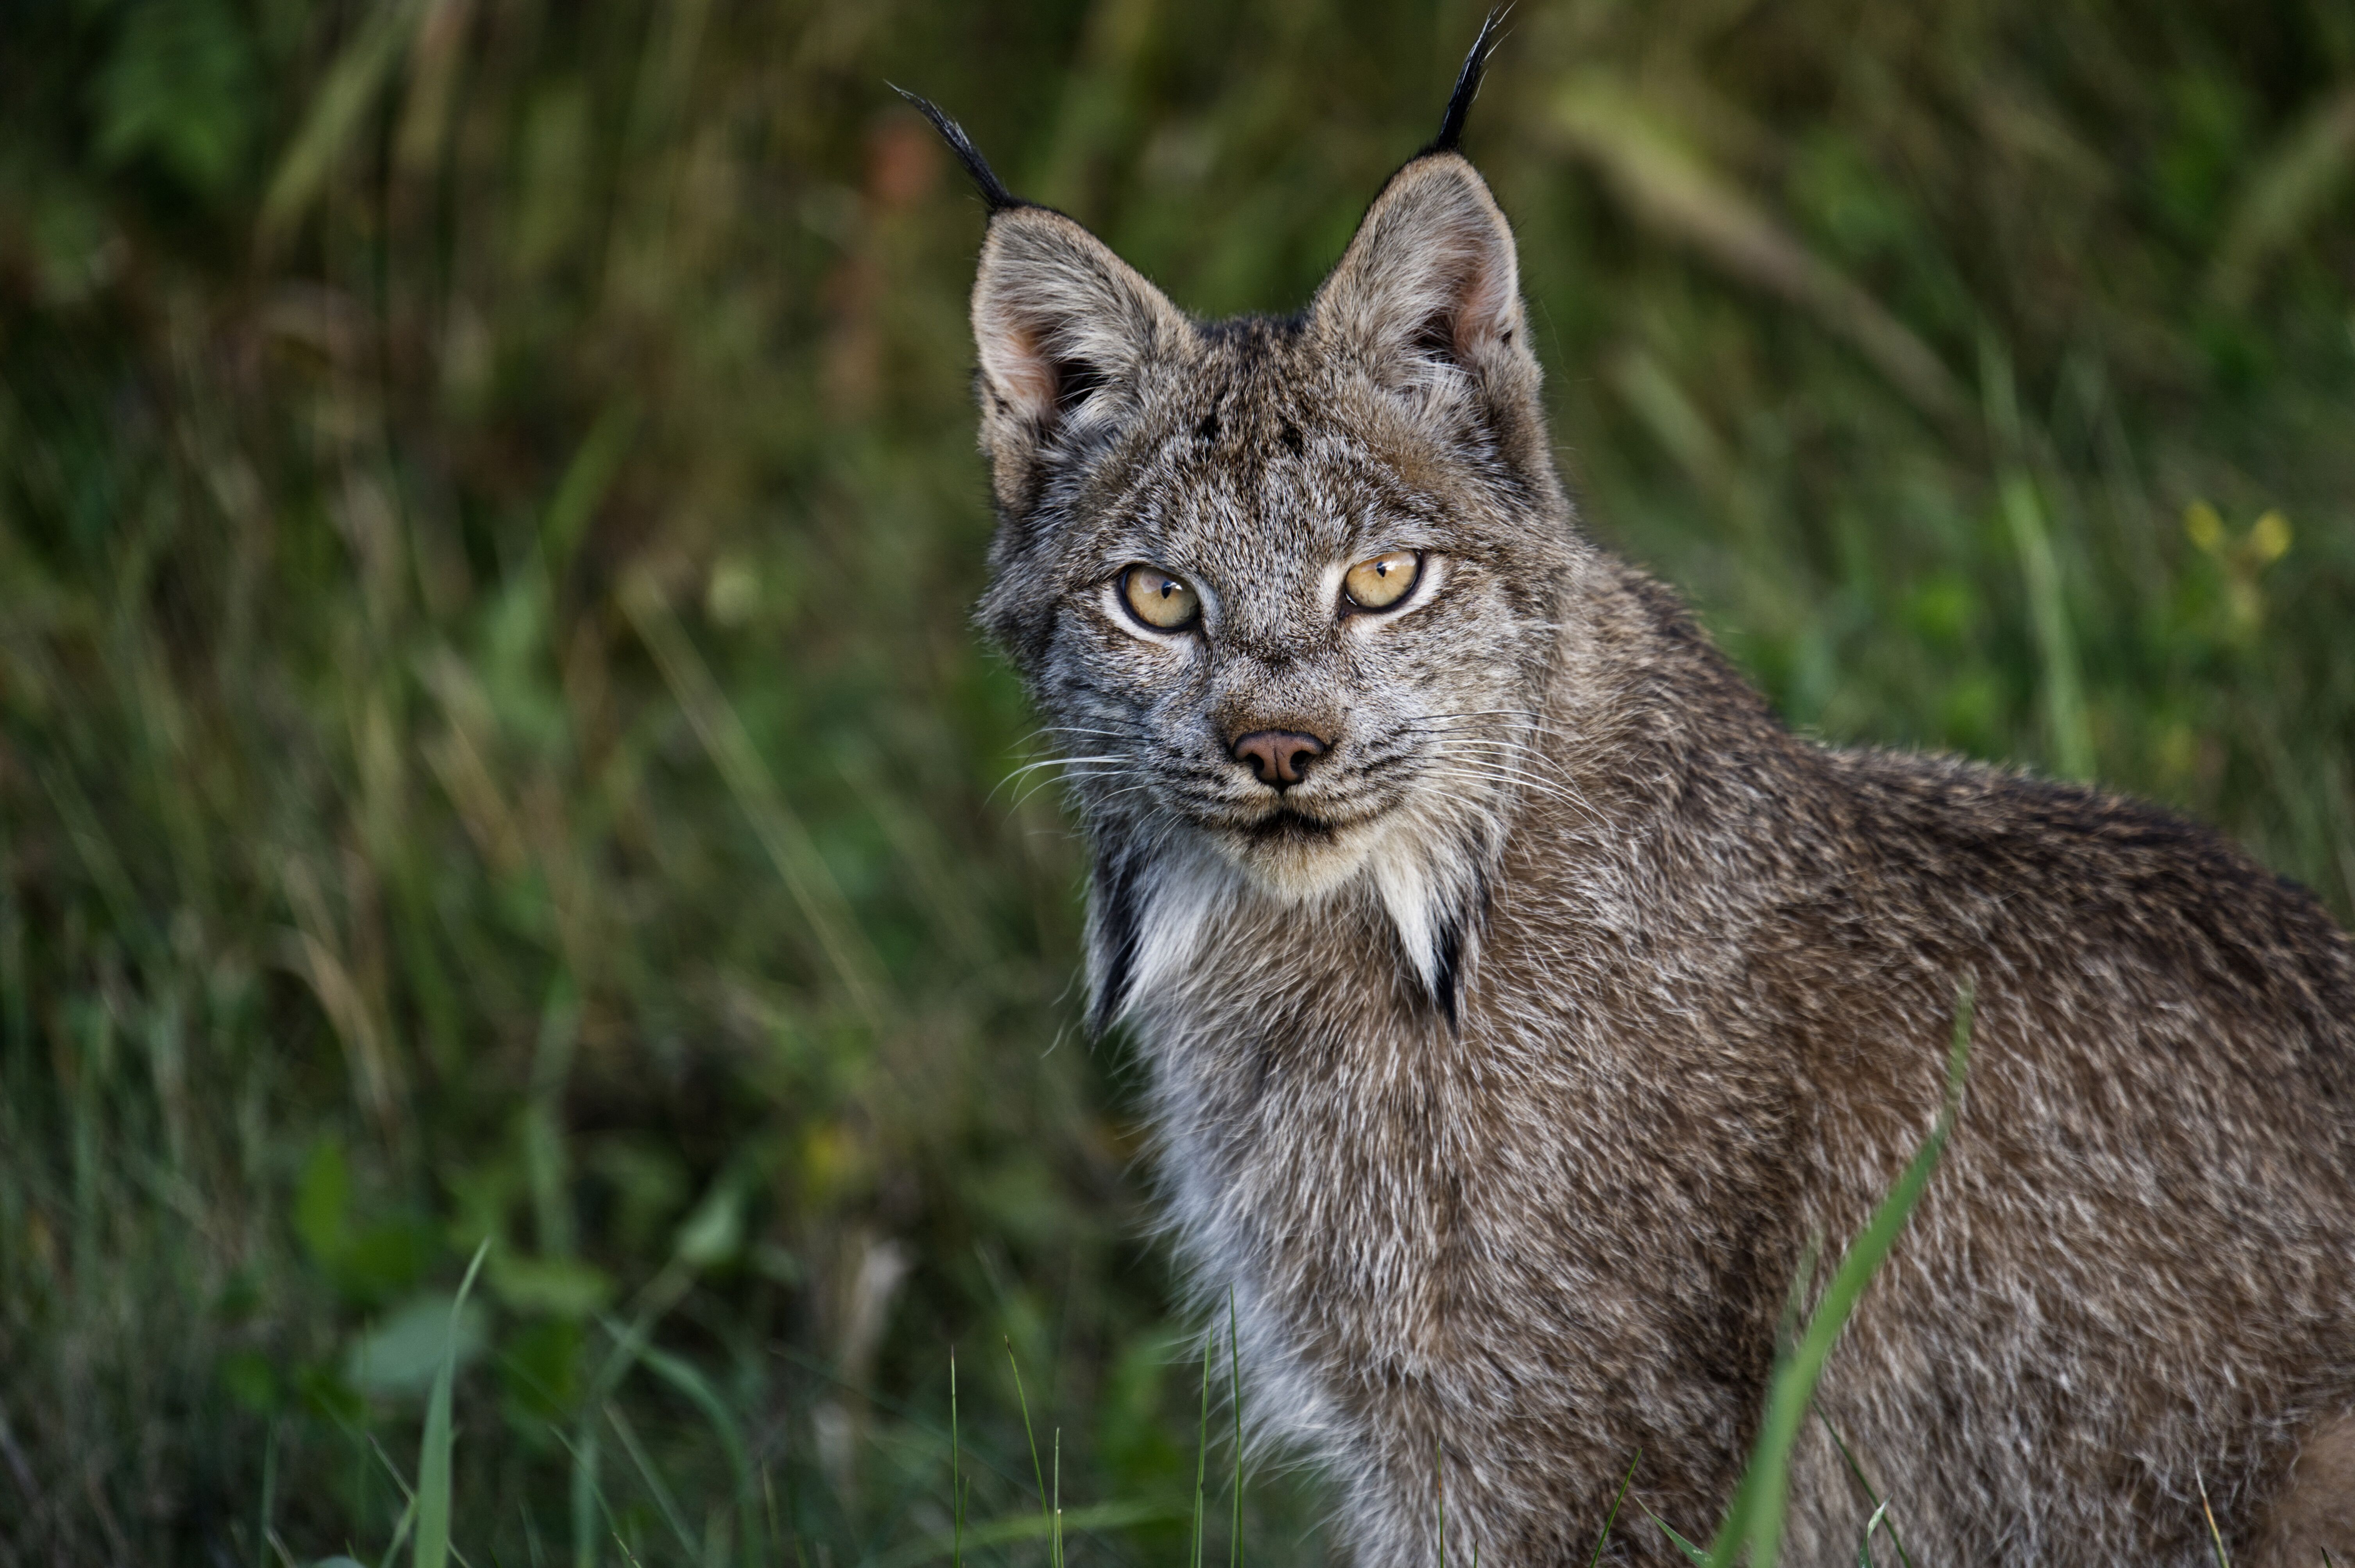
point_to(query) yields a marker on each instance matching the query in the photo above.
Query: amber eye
(1162, 601)
(1379, 584)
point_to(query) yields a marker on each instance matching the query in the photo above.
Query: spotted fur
(1505, 1068)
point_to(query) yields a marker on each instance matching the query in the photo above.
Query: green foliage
(491, 750)
(178, 87)
(434, 1449)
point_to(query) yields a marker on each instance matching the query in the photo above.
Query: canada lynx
(1519, 997)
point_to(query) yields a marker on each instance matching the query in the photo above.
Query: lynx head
(1284, 590)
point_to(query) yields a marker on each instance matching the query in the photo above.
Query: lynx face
(1286, 591)
(1289, 647)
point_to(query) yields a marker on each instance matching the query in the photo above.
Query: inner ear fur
(1431, 278)
(1057, 319)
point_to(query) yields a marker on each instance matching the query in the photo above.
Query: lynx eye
(1162, 601)
(1379, 584)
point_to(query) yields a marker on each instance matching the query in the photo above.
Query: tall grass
(491, 750)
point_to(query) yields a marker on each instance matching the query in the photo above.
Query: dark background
(491, 744)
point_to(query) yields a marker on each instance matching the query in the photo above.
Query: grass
(491, 751)
(1751, 1533)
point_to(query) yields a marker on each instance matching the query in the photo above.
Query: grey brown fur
(1504, 1065)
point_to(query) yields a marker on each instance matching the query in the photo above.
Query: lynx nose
(1278, 756)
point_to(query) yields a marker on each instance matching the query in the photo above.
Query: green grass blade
(1613, 1517)
(1864, 1543)
(682, 1376)
(335, 116)
(956, 1470)
(269, 1496)
(586, 480)
(432, 1549)
(408, 1520)
(400, 1529)
(1202, 1453)
(782, 835)
(1037, 1472)
(587, 1498)
(1795, 1304)
(1235, 1370)
(583, 1498)
(690, 1549)
(1687, 1547)
(1019, 1528)
(2061, 679)
(1889, 1527)
(1754, 1521)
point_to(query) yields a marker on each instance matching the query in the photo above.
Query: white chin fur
(1421, 870)
(1298, 871)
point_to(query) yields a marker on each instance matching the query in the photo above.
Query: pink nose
(1278, 756)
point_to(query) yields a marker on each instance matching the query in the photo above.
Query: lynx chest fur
(1521, 1001)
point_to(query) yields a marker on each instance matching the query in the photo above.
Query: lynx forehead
(1520, 1002)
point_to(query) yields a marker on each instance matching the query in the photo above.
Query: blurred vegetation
(490, 746)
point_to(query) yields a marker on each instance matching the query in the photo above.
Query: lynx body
(1519, 997)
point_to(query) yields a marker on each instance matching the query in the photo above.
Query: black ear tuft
(984, 179)
(1467, 86)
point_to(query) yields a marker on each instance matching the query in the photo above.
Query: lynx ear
(1064, 329)
(1430, 287)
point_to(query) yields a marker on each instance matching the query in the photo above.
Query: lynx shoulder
(1520, 998)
